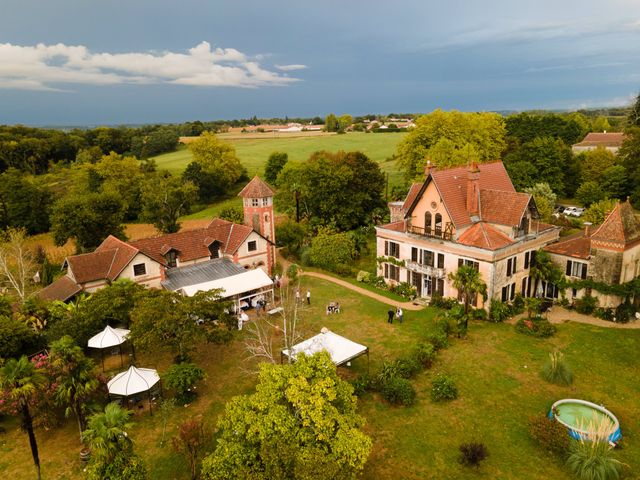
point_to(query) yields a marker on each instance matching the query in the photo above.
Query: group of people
(299, 298)
(398, 313)
(333, 307)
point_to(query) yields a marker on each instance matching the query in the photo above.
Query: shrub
(362, 384)
(479, 314)
(404, 289)
(587, 304)
(556, 370)
(499, 311)
(607, 314)
(379, 282)
(471, 454)
(517, 307)
(364, 277)
(444, 325)
(389, 370)
(445, 303)
(536, 327)
(425, 354)
(182, 377)
(408, 367)
(438, 339)
(625, 312)
(593, 460)
(399, 391)
(549, 434)
(443, 388)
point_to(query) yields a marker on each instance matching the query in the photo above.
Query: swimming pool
(577, 415)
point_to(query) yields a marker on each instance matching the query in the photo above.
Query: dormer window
(214, 249)
(172, 258)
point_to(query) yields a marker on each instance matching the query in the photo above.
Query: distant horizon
(292, 117)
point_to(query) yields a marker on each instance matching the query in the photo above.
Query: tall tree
(469, 284)
(23, 203)
(545, 199)
(331, 123)
(17, 263)
(630, 155)
(275, 164)
(75, 380)
(300, 423)
(217, 158)
(634, 113)
(190, 442)
(165, 199)
(340, 189)
(21, 382)
(549, 159)
(594, 162)
(479, 134)
(88, 219)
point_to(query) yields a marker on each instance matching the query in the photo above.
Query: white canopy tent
(109, 337)
(341, 349)
(237, 286)
(133, 381)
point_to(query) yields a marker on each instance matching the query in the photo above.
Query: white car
(573, 211)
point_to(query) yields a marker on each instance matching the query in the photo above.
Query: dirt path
(362, 291)
(560, 315)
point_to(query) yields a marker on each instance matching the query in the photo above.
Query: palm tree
(544, 269)
(107, 432)
(75, 378)
(21, 382)
(469, 284)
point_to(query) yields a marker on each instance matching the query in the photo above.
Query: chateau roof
(483, 235)
(503, 208)
(105, 262)
(621, 226)
(576, 246)
(256, 188)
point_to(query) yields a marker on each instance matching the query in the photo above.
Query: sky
(90, 62)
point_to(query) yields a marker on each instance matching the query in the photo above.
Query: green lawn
(496, 370)
(253, 153)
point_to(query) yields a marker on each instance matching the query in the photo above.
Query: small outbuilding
(109, 338)
(133, 382)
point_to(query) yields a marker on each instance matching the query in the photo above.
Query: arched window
(427, 222)
(438, 225)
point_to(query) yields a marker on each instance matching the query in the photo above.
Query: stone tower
(257, 205)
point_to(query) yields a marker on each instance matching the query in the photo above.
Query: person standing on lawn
(400, 314)
(308, 297)
(390, 313)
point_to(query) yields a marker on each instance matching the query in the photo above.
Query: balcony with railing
(425, 269)
(444, 234)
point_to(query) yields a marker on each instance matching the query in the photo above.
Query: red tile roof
(395, 226)
(593, 139)
(621, 226)
(194, 244)
(483, 235)
(452, 185)
(256, 188)
(504, 208)
(414, 190)
(106, 262)
(577, 246)
(62, 289)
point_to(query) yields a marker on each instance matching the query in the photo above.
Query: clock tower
(257, 205)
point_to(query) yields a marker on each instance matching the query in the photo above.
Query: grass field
(496, 371)
(253, 153)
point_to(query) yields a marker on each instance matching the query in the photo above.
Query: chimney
(428, 168)
(587, 228)
(473, 189)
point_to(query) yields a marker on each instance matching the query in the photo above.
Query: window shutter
(386, 249)
(441, 260)
(414, 254)
(584, 271)
(515, 265)
(524, 287)
(509, 268)
(532, 258)
(568, 271)
(526, 260)
(386, 270)
(513, 291)
(460, 262)
(476, 265)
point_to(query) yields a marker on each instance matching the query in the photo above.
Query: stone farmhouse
(612, 141)
(152, 261)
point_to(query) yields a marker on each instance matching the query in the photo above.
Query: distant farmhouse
(189, 260)
(611, 141)
(473, 216)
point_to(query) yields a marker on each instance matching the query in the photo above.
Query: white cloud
(45, 67)
(290, 68)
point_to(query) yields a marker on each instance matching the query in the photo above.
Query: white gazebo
(108, 338)
(133, 381)
(340, 349)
